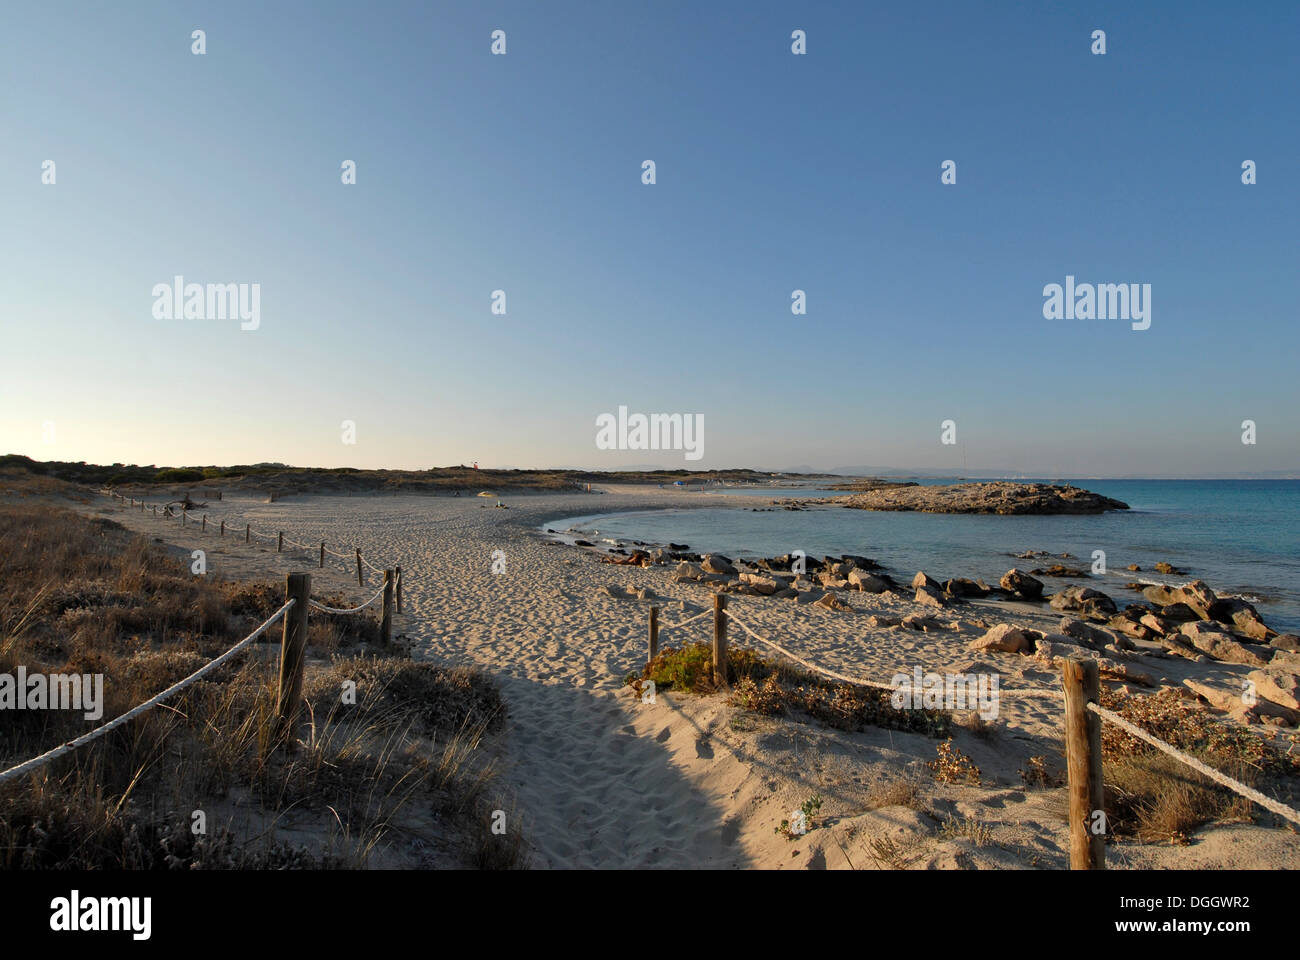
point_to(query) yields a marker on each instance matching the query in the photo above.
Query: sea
(1242, 537)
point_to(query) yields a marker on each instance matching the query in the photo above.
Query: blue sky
(775, 172)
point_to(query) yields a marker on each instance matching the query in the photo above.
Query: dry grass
(770, 688)
(1157, 799)
(82, 595)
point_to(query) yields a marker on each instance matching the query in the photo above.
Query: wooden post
(720, 640)
(247, 528)
(654, 633)
(155, 509)
(360, 582)
(293, 649)
(205, 523)
(280, 546)
(223, 528)
(1083, 763)
(322, 554)
(386, 620)
(398, 587)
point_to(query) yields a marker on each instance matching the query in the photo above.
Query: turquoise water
(1240, 536)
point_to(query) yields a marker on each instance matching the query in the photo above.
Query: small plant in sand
(953, 766)
(801, 820)
(1035, 773)
(959, 828)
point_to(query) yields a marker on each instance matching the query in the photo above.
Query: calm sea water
(1240, 536)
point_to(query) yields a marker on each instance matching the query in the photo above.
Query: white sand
(604, 780)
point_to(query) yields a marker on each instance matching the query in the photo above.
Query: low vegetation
(771, 688)
(385, 769)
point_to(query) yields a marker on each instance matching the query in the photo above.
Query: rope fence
(1081, 688)
(68, 747)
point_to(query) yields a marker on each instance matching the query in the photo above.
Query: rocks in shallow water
(583, 543)
(1002, 497)
(1059, 570)
(1168, 568)
(717, 563)
(1134, 567)
(1006, 638)
(1021, 585)
(1240, 614)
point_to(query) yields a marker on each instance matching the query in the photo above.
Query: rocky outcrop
(1002, 497)
(1021, 585)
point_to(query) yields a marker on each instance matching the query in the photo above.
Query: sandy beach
(601, 779)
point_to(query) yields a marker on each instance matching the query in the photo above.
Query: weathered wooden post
(279, 547)
(293, 649)
(1082, 681)
(360, 582)
(720, 640)
(386, 620)
(322, 554)
(155, 509)
(247, 529)
(223, 528)
(205, 523)
(654, 633)
(398, 587)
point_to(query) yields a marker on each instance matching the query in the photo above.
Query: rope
(678, 626)
(1220, 778)
(859, 681)
(324, 609)
(113, 724)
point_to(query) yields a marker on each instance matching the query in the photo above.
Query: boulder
(880, 620)
(1130, 628)
(930, 596)
(1168, 568)
(1022, 585)
(764, 586)
(1286, 641)
(1086, 632)
(961, 587)
(829, 601)
(1159, 624)
(1084, 600)
(918, 621)
(1224, 647)
(922, 579)
(1180, 612)
(1161, 595)
(687, 571)
(1278, 686)
(717, 563)
(1006, 638)
(867, 582)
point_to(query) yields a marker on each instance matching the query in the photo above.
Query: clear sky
(775, 172)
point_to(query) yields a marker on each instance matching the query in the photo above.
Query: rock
(1241, 615)
(1086, 632)
(930, 596)
(1006, 638)
(831, 602)
(828, 579)
(617, 593)
(1222, 647)
(1021, 584)
(811, 596)
(765, 586)
(1130, 628)
(918, 621)
(687, 572)
(862, 563)
(1060, 570)
(1180, 612)
(583, 543)
(867, 582)
(1284, 660)
(880, 620)
(1085, 600)
(1231, 702)
(961, 587)
(1161, 595)
(1198, 596)
(1159, 624)
(922, 579)
(1279, 686)
(1168, 568)
(1134, 567)
(717, 563)
(1286, 641)
(1001, 497)
(645, 593)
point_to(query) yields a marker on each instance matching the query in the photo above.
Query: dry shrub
(953, 766)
